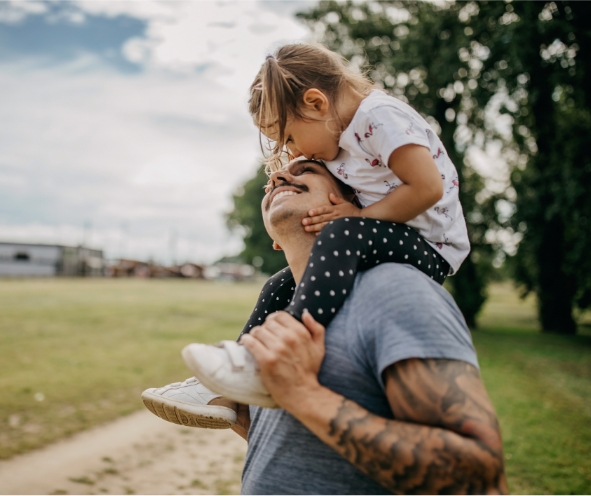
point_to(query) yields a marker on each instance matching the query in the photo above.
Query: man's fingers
(259, 351)
(277, 337)
(316, 329)
(286, 327)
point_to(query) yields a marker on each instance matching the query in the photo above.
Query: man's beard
(286, 219)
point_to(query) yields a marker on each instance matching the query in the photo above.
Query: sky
(124, 125)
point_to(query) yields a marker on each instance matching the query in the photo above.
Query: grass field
(74, 353)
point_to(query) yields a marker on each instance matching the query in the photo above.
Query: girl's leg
(348, 245)
(276, 295)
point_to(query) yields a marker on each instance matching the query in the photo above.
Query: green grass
(91, 346)
(540, 385)
(87, 348)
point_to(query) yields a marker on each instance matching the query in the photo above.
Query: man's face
(300, 186)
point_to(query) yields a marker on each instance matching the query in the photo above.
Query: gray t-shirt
(393, 313)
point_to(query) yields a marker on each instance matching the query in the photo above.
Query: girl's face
(312, 137)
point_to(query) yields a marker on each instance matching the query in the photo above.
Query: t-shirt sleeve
(401, 314)
(383, 129)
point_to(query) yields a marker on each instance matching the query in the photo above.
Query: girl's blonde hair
(277, 91)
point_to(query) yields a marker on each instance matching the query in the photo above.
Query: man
(387, 399)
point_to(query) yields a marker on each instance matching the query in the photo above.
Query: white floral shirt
(381, 125)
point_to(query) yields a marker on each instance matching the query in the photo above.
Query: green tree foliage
(246, 218)
(512, 74)
(412, 50)
(541, 59)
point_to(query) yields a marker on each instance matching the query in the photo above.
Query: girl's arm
(421, 188)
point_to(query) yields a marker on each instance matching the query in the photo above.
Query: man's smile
(283, 193)
(284, 189)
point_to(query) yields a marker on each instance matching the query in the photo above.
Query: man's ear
(276, 246)
(315, 100)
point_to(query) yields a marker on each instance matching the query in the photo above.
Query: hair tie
(270, 57)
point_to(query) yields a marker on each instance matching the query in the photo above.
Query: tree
(514, 74)
(411, 48)
(246, 218)
(549, 44)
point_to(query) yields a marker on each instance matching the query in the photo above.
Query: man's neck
(297, 249)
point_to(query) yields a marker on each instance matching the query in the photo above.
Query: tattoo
(445, 437)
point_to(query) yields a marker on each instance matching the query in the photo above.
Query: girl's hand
(319, 217)
(268, 186)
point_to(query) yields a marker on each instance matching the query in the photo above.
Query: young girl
(307, 100)
(309, 103)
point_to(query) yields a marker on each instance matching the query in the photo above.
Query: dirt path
(137, 454)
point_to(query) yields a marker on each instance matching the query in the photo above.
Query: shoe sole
(189, 415)
(262, 400)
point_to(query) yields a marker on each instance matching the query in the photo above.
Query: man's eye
(303, 170)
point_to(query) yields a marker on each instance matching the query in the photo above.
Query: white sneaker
(187, 403)
(229, 369)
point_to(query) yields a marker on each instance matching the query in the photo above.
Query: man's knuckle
(281, 348)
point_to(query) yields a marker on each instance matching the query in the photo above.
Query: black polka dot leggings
(344, 247)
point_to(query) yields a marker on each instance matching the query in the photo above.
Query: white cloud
(158, 151)
(13, 12)
(228, 38)
(149, 150)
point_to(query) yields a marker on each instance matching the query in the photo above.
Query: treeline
(512, 80)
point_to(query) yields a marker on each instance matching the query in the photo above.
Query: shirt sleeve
(383, 129)
(402, 314)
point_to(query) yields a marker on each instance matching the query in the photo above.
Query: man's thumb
(316, 329)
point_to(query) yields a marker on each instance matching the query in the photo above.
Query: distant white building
(36, 260)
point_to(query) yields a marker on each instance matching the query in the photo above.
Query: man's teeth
(284, 193)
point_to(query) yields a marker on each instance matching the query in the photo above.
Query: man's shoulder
(397, 312)
(398, 292)
(397, 279)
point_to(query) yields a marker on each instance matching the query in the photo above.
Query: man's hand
(319, 217)
(289, 355)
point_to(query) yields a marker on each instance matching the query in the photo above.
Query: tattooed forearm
(445, 438)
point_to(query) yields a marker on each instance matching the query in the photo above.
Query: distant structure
(229, 271)
(38, 260)
(137, 268)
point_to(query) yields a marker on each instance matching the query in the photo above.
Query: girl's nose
(294, 152)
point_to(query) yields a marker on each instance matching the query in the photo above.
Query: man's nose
(279, 176)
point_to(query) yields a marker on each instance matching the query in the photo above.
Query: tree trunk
(557, 291)
(468, 289)
(468, 286)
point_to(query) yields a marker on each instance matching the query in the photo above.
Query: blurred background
(130, 184)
